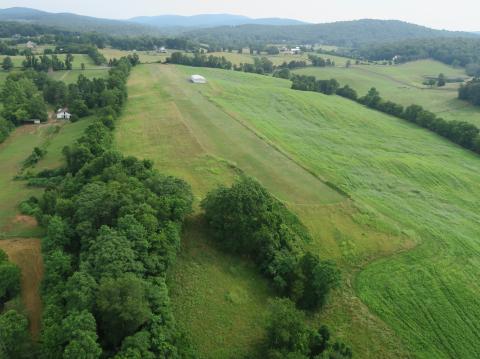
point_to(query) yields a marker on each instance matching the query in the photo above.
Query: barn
(198, 79)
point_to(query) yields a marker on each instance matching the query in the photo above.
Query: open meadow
(406, 239)
(404, 84)
(169, 120)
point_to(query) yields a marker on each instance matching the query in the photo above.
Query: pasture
(403, 84)
(13, 152)
(407, 238)
(145, 56)
(405, 181)
(180, 127)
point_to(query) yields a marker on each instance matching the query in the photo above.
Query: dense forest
(451, 51)
(343, 33)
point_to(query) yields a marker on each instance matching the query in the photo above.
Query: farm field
(169, 120)
(403, 84)
(408, 187)
(16, 230)
(13, 152)
(145, 56)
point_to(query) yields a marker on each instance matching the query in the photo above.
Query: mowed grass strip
(180, 127)
(404, 180)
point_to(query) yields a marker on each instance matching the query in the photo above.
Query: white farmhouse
(198, 79)
(63, 114)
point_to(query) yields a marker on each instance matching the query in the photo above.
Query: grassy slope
(169, 120)
(403, 84)
(12, 153)
(415, 182)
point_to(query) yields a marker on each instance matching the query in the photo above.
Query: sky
(438, 14)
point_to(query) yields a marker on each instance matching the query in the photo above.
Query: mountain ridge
(211, 20)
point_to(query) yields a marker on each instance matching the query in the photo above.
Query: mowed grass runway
(187, 134)
(403, 84)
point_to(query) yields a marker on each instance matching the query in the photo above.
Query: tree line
(247, 220)
(199, 60)
(113, 229)
(462, 133)
(46, 62)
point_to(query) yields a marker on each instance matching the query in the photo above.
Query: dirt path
(26, 253)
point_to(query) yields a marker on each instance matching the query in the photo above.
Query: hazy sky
(440, 14)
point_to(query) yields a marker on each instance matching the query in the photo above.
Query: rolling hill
(343, 33)
(209, 20)
(73, 22)
(405, 236)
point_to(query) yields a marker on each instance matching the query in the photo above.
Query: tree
(80, 336)
(82, 66)
(441, 81)
(122, 307)
(9, 279)
(348, 64)
(14, 336)
(7, 63)
(69, 61)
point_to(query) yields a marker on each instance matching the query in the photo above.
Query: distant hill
(73, 22)
(210, 20)
(343, 33)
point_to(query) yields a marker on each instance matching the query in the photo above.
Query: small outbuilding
(34, 121)
(63, 114)
(198, 79)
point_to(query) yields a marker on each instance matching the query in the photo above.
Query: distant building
(198, 79)
(295, 50)
(63, 114)
(162, 50)
(31, 45)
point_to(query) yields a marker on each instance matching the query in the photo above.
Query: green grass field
(13, 152)
(403, 84)
(407, 240)
(145, 56)
(169, 120)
